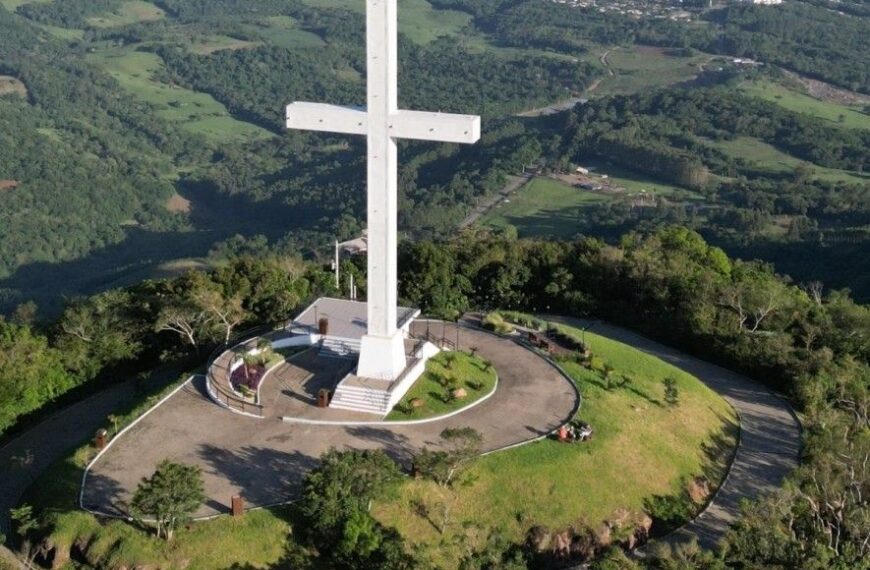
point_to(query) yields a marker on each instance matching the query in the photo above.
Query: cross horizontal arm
(443, 127)
(418, 125)
(328, 118)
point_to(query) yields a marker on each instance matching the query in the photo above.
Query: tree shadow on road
(264, 476)
(394, 444)
(104, 494)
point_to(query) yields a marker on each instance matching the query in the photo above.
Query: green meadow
(196, 112)
(642, 448)
(793, 100)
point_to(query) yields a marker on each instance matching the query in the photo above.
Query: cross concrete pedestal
(382, 351)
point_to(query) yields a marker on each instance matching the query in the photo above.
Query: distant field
(11, 5)
(542, 207)
(793, 100)
(637, 183)
(11, 85)
(211, 44)
(63, 33)
(128, 13)
(547, 207)
(640, 67)
(770, 158)
(418, 20)
(197, 112)
(284, 31)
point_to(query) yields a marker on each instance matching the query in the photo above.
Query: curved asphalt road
(769, 446)
(265, 460)
(770, 434)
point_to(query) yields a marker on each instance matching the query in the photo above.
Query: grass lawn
(205, 45)
(63, 33)
(130, 12)
(770, 158)
(418, 20)
(197, 112)
(794, 100)
(642, 448)
(471, 373)
(635, 182)
(639, 68)
(11, 5)
(284, 31)
(543, 207)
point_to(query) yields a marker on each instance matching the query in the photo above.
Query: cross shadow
(265, 476)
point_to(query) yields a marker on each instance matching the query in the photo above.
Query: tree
(170, 496)
(182, 318)
(25, 523)
(222, 311)
(459, 445)
(337, 496)
(344, 482)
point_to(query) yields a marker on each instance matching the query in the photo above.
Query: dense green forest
(122, 107)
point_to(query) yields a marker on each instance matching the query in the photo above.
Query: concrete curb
(97, 457)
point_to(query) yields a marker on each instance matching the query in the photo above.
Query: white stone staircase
(337, 348)
(361, 399)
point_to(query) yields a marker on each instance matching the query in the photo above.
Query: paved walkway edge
(112, 441)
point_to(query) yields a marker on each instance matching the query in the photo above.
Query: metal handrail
(216, 387)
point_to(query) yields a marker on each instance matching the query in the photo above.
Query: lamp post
(583, 333)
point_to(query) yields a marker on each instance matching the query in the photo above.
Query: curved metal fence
(222, 393)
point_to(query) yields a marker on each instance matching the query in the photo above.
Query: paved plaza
(265, 460)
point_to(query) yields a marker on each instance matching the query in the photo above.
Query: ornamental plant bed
(452, 380)
(250, 378)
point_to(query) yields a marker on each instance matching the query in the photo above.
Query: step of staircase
(338, 348)
(360, 400)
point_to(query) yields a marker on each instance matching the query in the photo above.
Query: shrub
(495, 322)
(672, 394)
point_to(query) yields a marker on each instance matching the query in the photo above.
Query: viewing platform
(288, 372)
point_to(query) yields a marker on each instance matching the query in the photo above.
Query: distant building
(581, 170)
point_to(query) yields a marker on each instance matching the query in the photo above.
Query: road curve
(265, 460)
(770, 434)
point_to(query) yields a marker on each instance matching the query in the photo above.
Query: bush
(495, 322)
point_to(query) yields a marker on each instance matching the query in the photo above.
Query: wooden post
(323, 398)
(238, 505)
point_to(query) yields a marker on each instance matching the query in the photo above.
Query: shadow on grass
(669, 512)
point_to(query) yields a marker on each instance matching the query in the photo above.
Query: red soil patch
(8, 184)
(178, 203)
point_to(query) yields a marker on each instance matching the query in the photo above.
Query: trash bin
(100, 439)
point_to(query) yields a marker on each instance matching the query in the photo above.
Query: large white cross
(382, 352)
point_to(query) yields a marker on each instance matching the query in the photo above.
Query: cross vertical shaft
(382, 103)
(382, 349)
